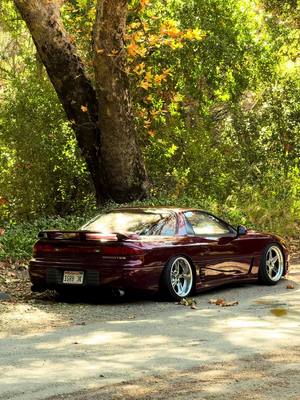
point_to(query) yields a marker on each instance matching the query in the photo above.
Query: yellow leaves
(144, 3)
(143, 38)
(154, 40)
(169, 28)
(132, 49)
(193, 34)
(147, 123)
(178, 98)
(127, 70)
(151, 133)
(154, 113)
(113, 53)
(149, 98)
(139, 69)
(142, 51)
(159, 78)
(149, 79)
(172, 31)
(148, 75)
(145, 85)
(84, 108)
(146, 82)
(134, 25)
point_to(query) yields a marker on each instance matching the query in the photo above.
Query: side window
(169, 227)
(164, 227)
(204, 224)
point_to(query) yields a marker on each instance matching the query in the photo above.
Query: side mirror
(241, 230)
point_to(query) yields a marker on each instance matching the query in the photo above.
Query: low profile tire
(177, 278)
(272, 265)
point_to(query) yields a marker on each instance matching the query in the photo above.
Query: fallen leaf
(184, 302)
(290, 286)
(221, 302)
(229, 304)
(191, 301)
(84, 108)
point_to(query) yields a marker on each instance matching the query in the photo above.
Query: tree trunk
(124, 170)
(79, 100)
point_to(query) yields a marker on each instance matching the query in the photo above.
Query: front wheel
(272, 265)
(178, 278)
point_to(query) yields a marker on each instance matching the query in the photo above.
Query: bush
(18, 239)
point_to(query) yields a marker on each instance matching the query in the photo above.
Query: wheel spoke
(274, 259)
(269, 255)
(179, 286)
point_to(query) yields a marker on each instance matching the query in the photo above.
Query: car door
(217, 249)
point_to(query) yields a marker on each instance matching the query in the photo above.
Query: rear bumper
(134, 276)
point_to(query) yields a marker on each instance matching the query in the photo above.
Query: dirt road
(143, 349)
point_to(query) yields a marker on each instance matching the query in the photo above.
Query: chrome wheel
(181, 276)
(274, 263)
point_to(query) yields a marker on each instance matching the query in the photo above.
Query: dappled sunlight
(16, 319)
(93, 339)
(142, 338)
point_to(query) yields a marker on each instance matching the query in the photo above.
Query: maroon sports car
(169, 250)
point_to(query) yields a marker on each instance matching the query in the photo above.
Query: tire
(177, 278)
(272, 265)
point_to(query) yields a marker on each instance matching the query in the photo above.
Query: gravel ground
(261, 377)
(144, 349)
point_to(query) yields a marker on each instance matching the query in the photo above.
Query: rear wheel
(178, 278)
(272, 265)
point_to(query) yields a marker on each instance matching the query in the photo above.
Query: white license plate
(73, 277)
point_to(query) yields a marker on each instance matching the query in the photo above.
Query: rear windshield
(141, 222)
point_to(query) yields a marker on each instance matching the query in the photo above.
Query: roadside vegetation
(216, 98)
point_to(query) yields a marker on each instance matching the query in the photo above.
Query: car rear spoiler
(86, 235)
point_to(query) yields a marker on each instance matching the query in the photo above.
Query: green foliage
(18, 240)
(41, 168)
(218, 117)
(254, 210)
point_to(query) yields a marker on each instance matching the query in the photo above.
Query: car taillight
(42, 248)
